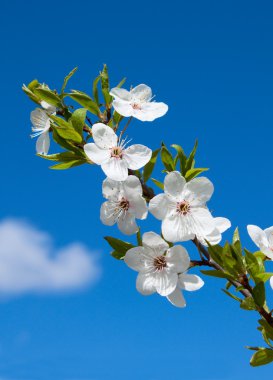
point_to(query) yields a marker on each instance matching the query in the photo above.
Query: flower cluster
(181, 208)
(163, 264)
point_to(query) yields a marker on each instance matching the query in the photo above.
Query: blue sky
(212, 63)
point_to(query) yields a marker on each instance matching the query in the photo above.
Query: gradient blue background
(211, 61)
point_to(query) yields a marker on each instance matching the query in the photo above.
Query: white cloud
(30, 264)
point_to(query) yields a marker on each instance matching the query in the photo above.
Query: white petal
(190, 282)
(116, 169)
(123, 108)
(138, 207)
(107, 214)
(154, 241)
(213, 238)
(257, 235)
(150, 111)
(158, 206)
(127, 224)
(48, 107)
(111, 189)
(200, 190)
(121, 94)
(145, 284)
(137, 156)
(104, 136)
(95, 154)
(132, 187)
(40, 120)
(174, 184)
(202, 221)
(177, 228)
(271, 282)
(165, 283)
(142, 92)
(176, 298)
(133, 258)
(43, 143)
(178, 259)
(222, 224)
(269, 235)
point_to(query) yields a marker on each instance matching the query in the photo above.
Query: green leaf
(120, 247)
(254, 265)
(85, 101)
(65, 130)
(192, 173)
(236, 236)
(30, 94)
(66, 79)
(167, 159)
(78, 120)
(33, 85)
(65, 143)
(217, 273)
(261, 357)
(181, 157)
(67, 165)
(216, 252)
(62, 157)
(121, 83)
(259, 294)
(268, 329)
(264, 276)
(248, 304)
(158, 183)
(232, 295)
(190, 160)
(95, 90)
(148, 168)
(48, 96)
(105, 87)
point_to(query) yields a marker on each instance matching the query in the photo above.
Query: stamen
(116, 152)
(183, 208)
(160, 263)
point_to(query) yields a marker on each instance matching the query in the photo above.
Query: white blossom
(157, 264)
(182, 208)
(40, 126)
(137, 103)
(125, 203)
(113, 156)
(221, 225)
(264, 240)
(189, 282)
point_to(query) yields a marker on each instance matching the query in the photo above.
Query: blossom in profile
(157, 264)
(221, 225)
(124, 204)
(137, 103)
(113, 155)
(264, 240)
(182, 208)
(40, 126)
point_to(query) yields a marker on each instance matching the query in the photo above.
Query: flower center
(160, 263)
(116, 152)
(124, 204)
(136, 106)
(183, 207)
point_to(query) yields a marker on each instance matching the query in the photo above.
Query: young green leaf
(120, 247)
(85, 101)
(158, 183)
(192, 173)
(149, 167)
(66, 79)
(78, 120)
(181, 157)
(67, 165)
(48, 96)
(167, 159)
(261, 357)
